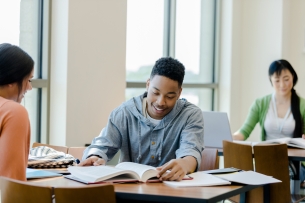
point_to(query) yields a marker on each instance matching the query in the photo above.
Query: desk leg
(266, 193)
(296, 168)
(242, 197)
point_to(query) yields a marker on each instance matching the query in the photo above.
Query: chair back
(272, 160)
(76, 152)
(87, 194)
(57, 148)
(240, 156)
(209, 159)
(237, 155)
(13, 191)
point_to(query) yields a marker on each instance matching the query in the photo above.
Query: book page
(99, 173)
(297, 142)
(144, 171)
(242, 142)
(125, 178)
(279, 140)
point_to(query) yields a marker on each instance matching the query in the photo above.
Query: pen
(77, 161)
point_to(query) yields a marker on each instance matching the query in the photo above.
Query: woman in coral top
(16, 71)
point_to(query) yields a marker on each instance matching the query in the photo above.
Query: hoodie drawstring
(160, 151)
(139, 136)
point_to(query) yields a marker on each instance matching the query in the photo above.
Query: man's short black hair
(170, 68)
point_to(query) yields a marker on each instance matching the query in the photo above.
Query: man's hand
(303, 136)
(176, 169)
(92, 161)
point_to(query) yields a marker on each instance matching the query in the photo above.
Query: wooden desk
(158, 192)
(295, 155)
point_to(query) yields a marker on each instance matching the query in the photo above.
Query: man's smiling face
(162, 94)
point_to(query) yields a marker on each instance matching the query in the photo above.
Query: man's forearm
(190, 163)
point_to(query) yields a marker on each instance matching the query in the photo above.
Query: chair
(272, 160)
(76, 152)
(13, 191)
(240, 156)
(209, 159)
(57, 148)
(87, 194)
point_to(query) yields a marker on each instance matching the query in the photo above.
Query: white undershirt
(276, 127)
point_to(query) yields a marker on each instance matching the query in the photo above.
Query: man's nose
(161, 101)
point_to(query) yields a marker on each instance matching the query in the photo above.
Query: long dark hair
(277, 67)
(15, 65)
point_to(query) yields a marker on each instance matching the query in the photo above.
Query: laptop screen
(216, 129)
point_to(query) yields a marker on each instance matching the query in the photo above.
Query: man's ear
(10, 85)
(179, 92)
(147, 84)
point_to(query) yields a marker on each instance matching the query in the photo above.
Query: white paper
(199, 179)
(249, 178)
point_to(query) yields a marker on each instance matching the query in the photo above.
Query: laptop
(216, 129)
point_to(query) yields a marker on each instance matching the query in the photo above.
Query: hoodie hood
(135, 107)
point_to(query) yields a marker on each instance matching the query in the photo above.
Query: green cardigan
(258, 112)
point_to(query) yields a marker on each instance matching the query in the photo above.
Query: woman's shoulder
(265, 100)
(12, 107)
(302, 103)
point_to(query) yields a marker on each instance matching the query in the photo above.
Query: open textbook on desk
(122, 172)
(293, 142)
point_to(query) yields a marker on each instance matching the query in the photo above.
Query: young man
(156, 128)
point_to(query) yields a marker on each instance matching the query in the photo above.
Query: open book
(293, 142)
(122, 172)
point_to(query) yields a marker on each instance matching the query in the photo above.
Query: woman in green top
(281, 114)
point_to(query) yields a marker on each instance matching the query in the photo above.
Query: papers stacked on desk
(249, 178)
(199, 179)
(203, 179)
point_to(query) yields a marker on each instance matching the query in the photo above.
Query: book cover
(40, 173)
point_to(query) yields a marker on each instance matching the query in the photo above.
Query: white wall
(87, 67)
(88, 60)
(255, 33)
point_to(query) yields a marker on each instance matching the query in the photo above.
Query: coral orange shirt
(14, 139)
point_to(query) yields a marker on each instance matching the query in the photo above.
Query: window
(182, 29)
(21, 24)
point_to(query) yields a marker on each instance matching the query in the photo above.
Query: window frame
(169, 49)
(42, 82)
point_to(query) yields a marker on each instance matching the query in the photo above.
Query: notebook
(40, 173)
(216, 129)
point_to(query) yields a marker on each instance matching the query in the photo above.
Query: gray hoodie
(179, 134)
